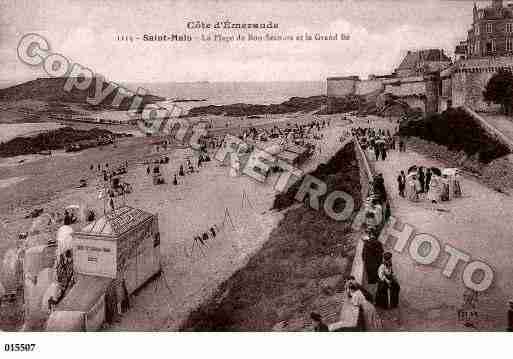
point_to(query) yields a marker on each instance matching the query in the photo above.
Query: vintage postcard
(255, 166)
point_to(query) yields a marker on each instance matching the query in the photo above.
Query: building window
(509, 45)
(509, 28)
(481, 14)
(477, 30)
(489, 28)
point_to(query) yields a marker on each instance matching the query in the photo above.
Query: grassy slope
(459, 132)
(303, 263)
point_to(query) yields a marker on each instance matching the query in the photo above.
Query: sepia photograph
(255, 166)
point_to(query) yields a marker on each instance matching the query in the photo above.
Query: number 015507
(19, 347)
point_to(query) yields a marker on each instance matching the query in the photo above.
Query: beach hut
(83, 308)
(123, 245)
(112, 258)
(274, 149)
(289, 157)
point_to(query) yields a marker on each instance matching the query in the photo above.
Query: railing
(350, 316)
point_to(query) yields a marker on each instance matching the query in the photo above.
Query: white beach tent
(36, 310)
(234, 165)
(35, 261)
(64, 239)
(274, 149)
(9, 274)
(10, 261)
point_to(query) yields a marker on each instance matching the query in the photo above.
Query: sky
(85, 31)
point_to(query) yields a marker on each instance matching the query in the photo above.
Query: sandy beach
(200, 201)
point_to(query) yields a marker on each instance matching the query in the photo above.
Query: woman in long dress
(411, 190)
(371, 255)
(387, 294)
(370, 317)
(435, 190)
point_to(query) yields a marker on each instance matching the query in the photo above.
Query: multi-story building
(428, 80)
(491, 33)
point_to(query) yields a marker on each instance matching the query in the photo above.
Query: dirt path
(477, 224)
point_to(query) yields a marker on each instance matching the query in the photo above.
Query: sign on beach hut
(122, 245)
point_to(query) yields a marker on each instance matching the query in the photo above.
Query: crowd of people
(378, 140)
(428, 183)
(377, 264)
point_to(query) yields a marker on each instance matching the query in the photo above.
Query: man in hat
(401, 183)
(428, 180)
(379, 186)
(319, 325)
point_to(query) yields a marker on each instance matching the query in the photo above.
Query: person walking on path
(376, 150)
(402, 146)
(372, 254)
(422, 179)
(379, 186)
(383, 152)
(387, 294)
(401, 183)
(428, 180)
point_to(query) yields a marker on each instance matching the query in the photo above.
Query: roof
(413, 58)
(115, 223)
(296, 149)
(85, 293)
(288, 156)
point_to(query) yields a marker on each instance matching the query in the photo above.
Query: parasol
(412, 169)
